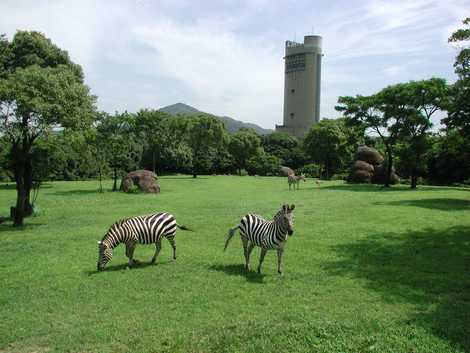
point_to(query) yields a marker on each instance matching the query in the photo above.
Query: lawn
(367, 270)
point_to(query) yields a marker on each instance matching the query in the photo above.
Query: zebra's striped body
(294, 179)
(150, 229)
(268, 235)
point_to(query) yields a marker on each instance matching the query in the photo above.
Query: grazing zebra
(148, 229)
(295, 179)
(268, 235)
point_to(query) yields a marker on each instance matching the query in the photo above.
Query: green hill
(231, 124)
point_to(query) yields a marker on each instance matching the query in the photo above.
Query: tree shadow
(428, 269)
(182, 178)
(381, 188)
(8, 226)
(443, 204)
(12, 186)
(239, 270)
(79, 192)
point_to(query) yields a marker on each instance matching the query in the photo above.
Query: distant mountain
(231, 124)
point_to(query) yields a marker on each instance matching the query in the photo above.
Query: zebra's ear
(292, 207)
(285, 207)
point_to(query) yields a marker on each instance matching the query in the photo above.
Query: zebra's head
(105, 253)
(301, 177)
(287, 218)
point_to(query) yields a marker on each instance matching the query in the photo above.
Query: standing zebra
(268, 235)
(295, 179)
(141, 229)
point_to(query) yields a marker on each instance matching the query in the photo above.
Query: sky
(226, 57)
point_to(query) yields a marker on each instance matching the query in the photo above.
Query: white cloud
(221, 57)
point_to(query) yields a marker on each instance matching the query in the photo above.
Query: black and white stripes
(148, 229)
(256, 231)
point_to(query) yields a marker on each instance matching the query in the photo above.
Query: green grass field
(367, 270)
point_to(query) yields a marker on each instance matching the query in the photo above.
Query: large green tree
(243, 145)
(152, 127)
(286, 147)
(40, 88)
(419, 101)
(325, 143)
(116, 136)
(459, 103)
(204, 132)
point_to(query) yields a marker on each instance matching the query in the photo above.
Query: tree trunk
(18, 210)
(28, 185)
(154, 160)
(100, 176)
(389, 168)
(414, 180)
(414, 172)
(115, 180)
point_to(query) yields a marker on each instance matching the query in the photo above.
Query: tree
(117, 140)
(152, 126)
(459, 103)
(378, 113)
(325, 143)
(243, 145)
(263, 164)
(449, 160)
(420, 100)
(203, 132)
(286, 147)
(40, 88)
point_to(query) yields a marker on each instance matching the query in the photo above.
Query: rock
(369, 167)
(145, 180)
(369, 155)
(360, 176)
(286, 171)
(361, 165)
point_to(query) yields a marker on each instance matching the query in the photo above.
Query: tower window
(292, 115)
(292, 90)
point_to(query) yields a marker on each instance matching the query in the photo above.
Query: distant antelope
(295, 179)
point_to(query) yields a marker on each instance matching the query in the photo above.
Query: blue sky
(225, 57)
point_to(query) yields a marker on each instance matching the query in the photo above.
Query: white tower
(302, 85)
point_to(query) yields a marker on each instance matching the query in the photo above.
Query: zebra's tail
(231, 233)
(183, 227)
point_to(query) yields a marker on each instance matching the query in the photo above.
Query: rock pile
(145, 180)
(369, 167)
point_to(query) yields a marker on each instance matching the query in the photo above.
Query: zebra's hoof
(280, 273)
(259, 270)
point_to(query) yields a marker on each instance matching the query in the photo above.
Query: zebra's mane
(114, 225)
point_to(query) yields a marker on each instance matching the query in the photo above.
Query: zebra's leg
(245, 252)
(130, 247)
(261, 258)
(249, 249)
(279, 260)
(158, 247)
(173, 245)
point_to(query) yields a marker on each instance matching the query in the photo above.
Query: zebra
(295, 179)
(268, 235)
(140, 229)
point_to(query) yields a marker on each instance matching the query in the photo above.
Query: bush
(311, 170)
(263, 164)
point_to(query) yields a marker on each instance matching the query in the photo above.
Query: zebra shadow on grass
(239, 270)
(125, 267)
